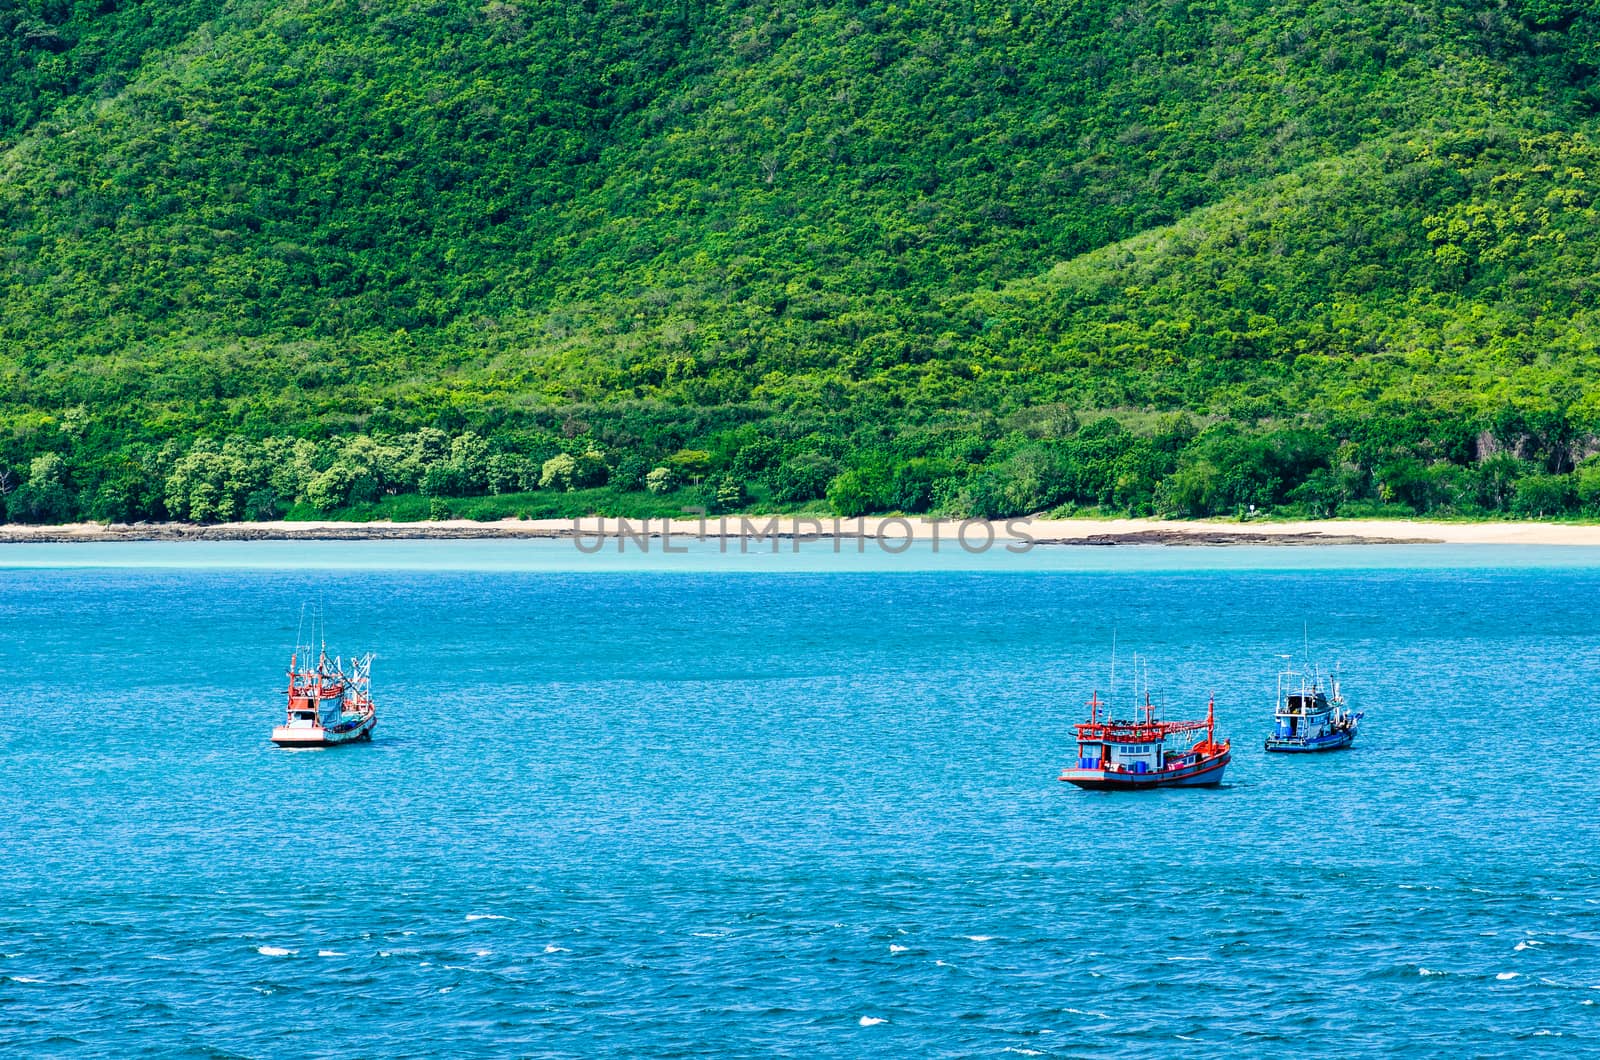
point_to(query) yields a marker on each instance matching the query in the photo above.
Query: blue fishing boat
(1310, 717)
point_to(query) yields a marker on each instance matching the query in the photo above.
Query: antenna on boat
(1135, 680)
(1113, 692)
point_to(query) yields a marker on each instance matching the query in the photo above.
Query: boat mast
(1113, 692)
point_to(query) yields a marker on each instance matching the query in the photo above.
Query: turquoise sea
(787, 805)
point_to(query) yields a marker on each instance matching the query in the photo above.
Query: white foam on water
(1503, 976)
(897, 949)
(384, 953)
(1430, 971)
(979, 938)
(408, 934)
(481, 953)
(1188, 958)
(331, 953)
(871, 1021)
(553, 948)
(1088, 1012)
(941, 964)
(483, 916)
(24, 979)
(1587, 1001)
(159, 957)
(424, 964)
(1186, 1038)
(1547, 1034)
(708, 934)
(446, 989)
(275, 951)
(1021, 1052)
(1525, 943)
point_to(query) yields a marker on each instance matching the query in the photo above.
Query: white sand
(1057, 530)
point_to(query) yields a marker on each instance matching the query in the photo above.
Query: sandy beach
(972, 534)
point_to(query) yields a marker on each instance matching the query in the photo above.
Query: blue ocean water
(680, 808)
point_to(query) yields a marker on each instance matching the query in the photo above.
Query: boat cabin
(315, 701)
(1142, 756)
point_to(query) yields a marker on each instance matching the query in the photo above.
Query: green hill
(954, 255)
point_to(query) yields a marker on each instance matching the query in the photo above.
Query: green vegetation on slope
(956, 255)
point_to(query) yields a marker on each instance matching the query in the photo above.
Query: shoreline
(1100, 532)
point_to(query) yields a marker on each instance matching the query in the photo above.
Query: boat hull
(1294, 745)
(1202, 774)
(359, 731)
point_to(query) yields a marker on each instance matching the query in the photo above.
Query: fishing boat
(1116, 755)
(327, 706)
(1309, 718)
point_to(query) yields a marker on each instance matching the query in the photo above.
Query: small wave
(709, 934)
(1503, 976)
(553, 948)
(482, 916)
(1430, 971)
(159, 957)
(1186, 1038)
(25, 979)
(979, 938)
(1525, 943)
(871, 1021)
(481, 953)
(385, 953)
(1547, 1034)
(275, 951)
(941, 964)
(331, 953)
(446, 989)
(1089, 1012)
(1021, 1052)
(1188, 958)
(897, 949)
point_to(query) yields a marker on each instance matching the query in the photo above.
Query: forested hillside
(986, 258)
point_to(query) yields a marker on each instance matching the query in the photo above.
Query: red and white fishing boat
(1118, 755)
(328, 707)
